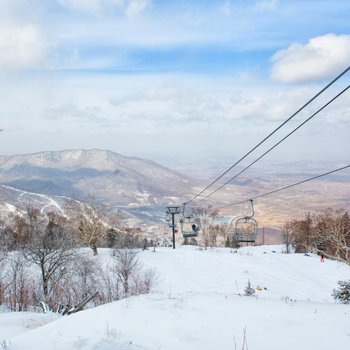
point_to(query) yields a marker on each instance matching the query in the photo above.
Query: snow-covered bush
(343, 292)
(131, 275)
(106, 280)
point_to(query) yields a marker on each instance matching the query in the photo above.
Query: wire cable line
(279, 142)
(270, 134)
(285, 187)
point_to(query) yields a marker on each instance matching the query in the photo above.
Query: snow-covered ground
(199, 304)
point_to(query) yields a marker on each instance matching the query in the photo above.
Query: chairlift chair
(189, 227)
(246, 228)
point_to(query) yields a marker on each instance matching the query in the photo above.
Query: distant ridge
(142, 188)
(116, 180)
(71, 159)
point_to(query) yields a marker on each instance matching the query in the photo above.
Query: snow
(10, 208)
(15, 323)
(199, 304)
(47, 203)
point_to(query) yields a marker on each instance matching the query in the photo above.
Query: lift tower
(173, 211)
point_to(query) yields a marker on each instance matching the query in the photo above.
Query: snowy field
(199, 304)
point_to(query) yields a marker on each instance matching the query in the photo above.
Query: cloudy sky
(185, 79)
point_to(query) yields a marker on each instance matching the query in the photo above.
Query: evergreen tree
(112, 236)
(343, 292)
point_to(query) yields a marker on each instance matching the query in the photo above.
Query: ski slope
(199, 304)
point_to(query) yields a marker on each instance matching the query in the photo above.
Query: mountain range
(142, 188)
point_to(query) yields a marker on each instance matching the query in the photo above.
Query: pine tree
(343, 292)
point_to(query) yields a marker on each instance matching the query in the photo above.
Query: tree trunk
(94, 249)
(45, 281)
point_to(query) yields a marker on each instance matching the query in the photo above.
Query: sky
(173, 81)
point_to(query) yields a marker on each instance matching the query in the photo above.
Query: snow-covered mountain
(126, 182)
(142, 188)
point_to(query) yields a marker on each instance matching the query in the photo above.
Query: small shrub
(288, 300)
(5, 345)
(249, 290)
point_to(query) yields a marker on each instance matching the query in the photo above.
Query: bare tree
(302, 232)
(89, 222)
(76, 288)
(61, 278)
(127, 265)
(287, 236)
(85, 269)
(52, 250)
(214, 232)
(22, 227)
(129, 238)
(3, 283)
(206, 217)
(110, 285)
(332, 234)
(145, 281)
(327, 233)
(19, 287)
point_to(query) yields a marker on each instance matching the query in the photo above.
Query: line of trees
(42, 260)
(327, 233)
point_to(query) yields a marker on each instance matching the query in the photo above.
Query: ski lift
(189, 225)
(246, 228)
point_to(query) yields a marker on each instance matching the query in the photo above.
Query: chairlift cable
(275, 145)
(270, 134)
(285, 187)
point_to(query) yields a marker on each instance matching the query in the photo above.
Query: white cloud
(89, 5)
(135, 7)
(177, 103)
(268, 105)
(70, 111)
(20, 47)
(130, 8)
(321, 58)
(265, 5)
(168, 103)
(153, 111)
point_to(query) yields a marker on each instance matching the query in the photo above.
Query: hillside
(140, 187)
(199, 304)
(110, 177)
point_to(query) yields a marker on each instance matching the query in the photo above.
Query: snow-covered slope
(20, 199)
(199, 304)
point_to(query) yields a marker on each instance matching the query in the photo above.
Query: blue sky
(159, 79)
